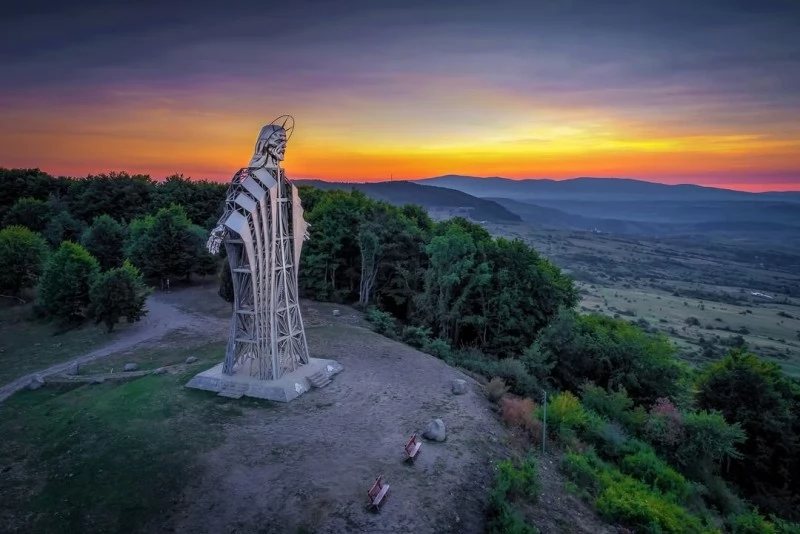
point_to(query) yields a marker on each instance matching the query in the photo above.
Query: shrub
(565, 413)
(752, 523)
(608, 437)
(634, 505)
(709, 440)
(649, 468)
(438, 347)
(416, 336)
(496, 389)
(663, 426)
(784, 527)
(511, 482)
(516, 376)
(517, 413)
(613, 405)
(382, 322)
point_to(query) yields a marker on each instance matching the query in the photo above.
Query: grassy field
(705, 296)
(109, 457)
(28, 345)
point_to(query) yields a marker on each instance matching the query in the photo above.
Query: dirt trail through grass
(161, 319)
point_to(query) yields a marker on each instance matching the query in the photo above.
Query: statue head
(271, 143)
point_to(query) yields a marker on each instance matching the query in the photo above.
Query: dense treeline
(88, 246)
(491, 305)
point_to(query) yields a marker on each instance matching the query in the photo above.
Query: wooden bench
(412, 447)
(377, 492)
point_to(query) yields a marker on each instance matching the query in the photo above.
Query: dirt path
(161, 319)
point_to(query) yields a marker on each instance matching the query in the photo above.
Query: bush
(509, 484)
(663, 426)
(752, 523)
(608, 437)
(416, 336)
(565, 413)
(496, 389)
(438, 347)
(382, 322)
(615, 405)
(517, 413)
(621, 498)
(651, 469)
(634, 505)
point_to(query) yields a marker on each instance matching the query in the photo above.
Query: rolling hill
(595, 189)
(440, 200)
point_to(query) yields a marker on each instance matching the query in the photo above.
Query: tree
(168, 245)
(63, 290)
(63, 227)
(105, 240)
(116, 293)
(766, 403)
(202, 200)
(123, 195)
(27, 183)
(452, 260)
(29, 212)
(612, 353)
(22, 257)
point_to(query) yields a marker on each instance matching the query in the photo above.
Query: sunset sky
(699, 91)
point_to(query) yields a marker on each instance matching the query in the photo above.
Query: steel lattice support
(263, 231)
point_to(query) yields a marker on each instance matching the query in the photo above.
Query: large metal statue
(263, 230)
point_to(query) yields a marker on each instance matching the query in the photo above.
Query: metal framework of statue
(263, 231)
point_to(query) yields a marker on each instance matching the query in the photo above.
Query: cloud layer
(704, 92)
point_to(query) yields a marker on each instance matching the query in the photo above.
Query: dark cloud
(739, 54)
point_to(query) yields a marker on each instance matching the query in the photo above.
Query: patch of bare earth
(306, 466)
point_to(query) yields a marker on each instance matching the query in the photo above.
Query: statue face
(271, 146)
(277, 145)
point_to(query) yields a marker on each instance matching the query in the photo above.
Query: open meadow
(705, 296)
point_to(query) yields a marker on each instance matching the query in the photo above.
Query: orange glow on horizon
(209, 138)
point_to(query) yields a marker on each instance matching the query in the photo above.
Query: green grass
(28, 345)
(104, 458)
(172, 349)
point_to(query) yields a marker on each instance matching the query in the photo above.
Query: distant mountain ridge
(585, 188)
(429, 197)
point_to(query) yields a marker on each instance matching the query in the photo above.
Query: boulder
(160, 371)
(74, 370)
(130, 367)
(435, 431)
(459, 386)
(191, 359)
(36, 382)
(336, 313)
(98, 380)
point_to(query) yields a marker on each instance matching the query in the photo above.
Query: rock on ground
(36, 382)
(130, 367)
(191, 359)
(459, 386)
(435, 431)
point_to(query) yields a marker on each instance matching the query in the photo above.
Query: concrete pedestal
(288, 387)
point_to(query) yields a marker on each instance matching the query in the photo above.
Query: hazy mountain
(685, 220)
(597, 189)
(439, 200)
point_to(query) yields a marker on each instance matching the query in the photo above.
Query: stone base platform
(288, 387)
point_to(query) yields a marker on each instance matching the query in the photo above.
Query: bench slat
(381, 495)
